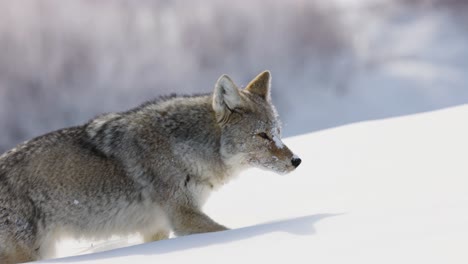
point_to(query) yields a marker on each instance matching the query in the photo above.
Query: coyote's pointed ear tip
(266, 73)
(224, 76)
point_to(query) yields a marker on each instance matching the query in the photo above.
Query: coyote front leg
(161, 235)
(188, 220)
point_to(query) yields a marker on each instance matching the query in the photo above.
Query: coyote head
(250, 127)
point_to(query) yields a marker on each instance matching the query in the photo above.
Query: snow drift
(388, 191)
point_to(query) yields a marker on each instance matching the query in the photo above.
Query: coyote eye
(264, 136)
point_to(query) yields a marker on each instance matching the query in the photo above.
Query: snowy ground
(388, 191)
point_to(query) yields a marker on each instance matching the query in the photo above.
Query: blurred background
(333, 62)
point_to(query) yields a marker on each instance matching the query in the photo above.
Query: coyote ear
(261, 85)
(226, 97)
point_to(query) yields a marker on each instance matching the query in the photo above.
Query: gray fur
(147, 171)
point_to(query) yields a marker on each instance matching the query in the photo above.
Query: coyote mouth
(281, 169)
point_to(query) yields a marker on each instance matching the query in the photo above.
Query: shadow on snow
(298, 226)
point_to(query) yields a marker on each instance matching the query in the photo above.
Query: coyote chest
(121, 219)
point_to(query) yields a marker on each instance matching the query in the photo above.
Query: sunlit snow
(388, 191)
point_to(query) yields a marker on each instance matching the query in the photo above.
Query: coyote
(148, 170)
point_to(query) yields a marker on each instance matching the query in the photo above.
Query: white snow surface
(387, 191)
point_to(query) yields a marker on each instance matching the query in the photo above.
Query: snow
(387, 191)
(278, 143)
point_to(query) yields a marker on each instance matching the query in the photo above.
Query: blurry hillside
(333, 62)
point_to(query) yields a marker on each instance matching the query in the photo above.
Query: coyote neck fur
(167, 125)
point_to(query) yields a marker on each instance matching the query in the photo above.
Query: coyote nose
(295, 162)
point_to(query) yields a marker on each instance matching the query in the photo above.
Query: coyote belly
(148, 170)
